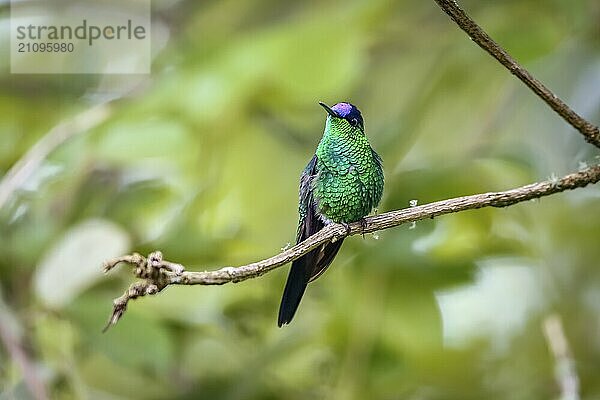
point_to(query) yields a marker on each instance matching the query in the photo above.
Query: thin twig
(564, 369)
(12, 343)
(158, 273)
(479, 36)
(18, 174)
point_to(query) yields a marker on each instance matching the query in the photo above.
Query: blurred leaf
(136, 342)
(121, 381)
(503, 297)
(75, 261)
(58, 340)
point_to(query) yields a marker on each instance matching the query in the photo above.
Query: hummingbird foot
(363, 226)
(341, 236)
(346, 227)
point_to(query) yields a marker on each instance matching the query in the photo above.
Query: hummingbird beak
(329, 110)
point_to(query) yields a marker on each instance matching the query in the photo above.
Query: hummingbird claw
(347, 228)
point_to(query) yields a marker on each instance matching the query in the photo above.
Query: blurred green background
(201, 160)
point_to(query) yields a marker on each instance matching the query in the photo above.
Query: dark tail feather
(304, 270)
(294, 289)
(325, 258)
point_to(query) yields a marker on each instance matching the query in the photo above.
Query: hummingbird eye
(353, 121)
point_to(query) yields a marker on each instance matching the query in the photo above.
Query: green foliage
(202, 162)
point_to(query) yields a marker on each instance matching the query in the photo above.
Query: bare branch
(158, 273)
(479, 36)
(11, 340)
(564, 370)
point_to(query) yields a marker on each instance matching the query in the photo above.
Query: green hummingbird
(342, 183)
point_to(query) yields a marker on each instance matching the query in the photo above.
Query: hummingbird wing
(310, 266)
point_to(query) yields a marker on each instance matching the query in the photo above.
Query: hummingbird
(342, 183)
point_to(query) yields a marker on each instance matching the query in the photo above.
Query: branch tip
(133, 259)
(153, 271)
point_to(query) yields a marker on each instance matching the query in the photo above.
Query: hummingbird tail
(294, 289)
(304, 270)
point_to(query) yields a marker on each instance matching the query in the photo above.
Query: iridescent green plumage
(342, 183)
(350, 177)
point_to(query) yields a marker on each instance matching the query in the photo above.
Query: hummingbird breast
(349, 183)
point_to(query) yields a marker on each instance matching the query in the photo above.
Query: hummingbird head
(345, 115)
